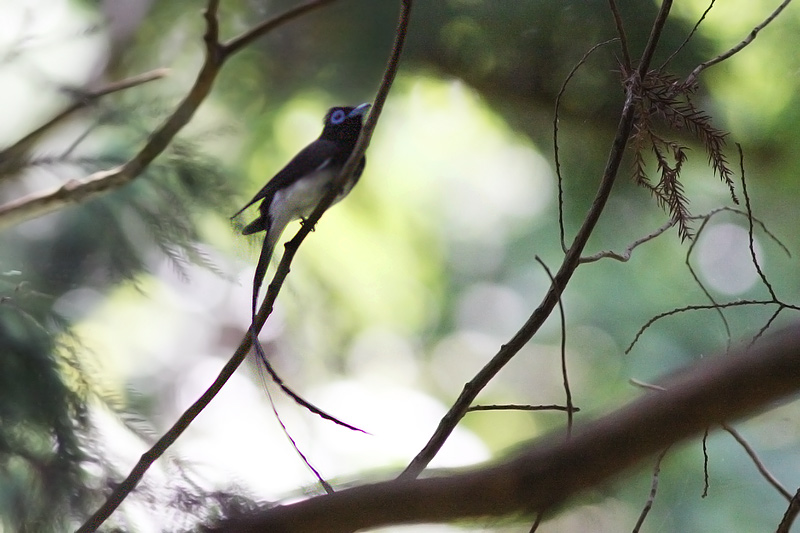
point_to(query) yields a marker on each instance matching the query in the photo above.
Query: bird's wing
(313, 157)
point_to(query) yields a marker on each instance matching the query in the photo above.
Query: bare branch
(562, 277)
(692, 78)
(757, 461)
(687, 261)
(623, 39)
(556, 116)
(790, 514)
(716, 390)
(237, 43)
(716, 307)
(766, 325)
(706, 476)
(563, 350)
(13, 158)
(518, 407)
(750, 243)
(124, 488)
(78, 191)
(688, 37)
(653, 490)
(625, 255)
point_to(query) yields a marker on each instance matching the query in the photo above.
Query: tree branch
(714, 391)
(13, 158)
(692, 78)
(78, 191)
(562, 277)
(790, 514)
(149, 457)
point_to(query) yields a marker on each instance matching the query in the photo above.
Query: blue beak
(360, 110)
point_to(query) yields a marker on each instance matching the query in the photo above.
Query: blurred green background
(118, 313)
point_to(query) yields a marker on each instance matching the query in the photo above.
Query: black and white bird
(295, 191)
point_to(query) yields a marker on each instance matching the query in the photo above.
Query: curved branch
(790, 514)
(13, 157)
(714, 391)
(149, 457)
(78, 191)
(561, 278)
(692, 78)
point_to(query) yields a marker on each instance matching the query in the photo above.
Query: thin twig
(692, 78)
(653, 490)
(677, 310)
(750, 216)
(654, 38)
(688, 37)
(556, 116)
(790, 514)
(706, 475)
(78, 191)
(766, 325)
(625, 255)
(13, 157)
(563, 349)
(626, 55)
(699, 282)
(520, 407)
(772, 480)
(750, 242)
(562, 277)
(237, 43)
(537, 522)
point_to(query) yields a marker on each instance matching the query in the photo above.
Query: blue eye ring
(338, 116)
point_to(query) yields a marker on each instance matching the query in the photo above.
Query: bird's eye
(337, 117)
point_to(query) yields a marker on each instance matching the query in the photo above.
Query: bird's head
(344, 124)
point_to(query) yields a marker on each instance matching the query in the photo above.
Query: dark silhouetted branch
(562, 276)
(714, 391)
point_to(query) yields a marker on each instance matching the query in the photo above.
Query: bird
(297, 188)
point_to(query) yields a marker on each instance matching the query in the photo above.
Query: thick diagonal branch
(717, 390)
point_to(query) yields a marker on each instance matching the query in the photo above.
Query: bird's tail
(261, 268)
(255, 226)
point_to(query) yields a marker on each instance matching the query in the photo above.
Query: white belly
(299, 199)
